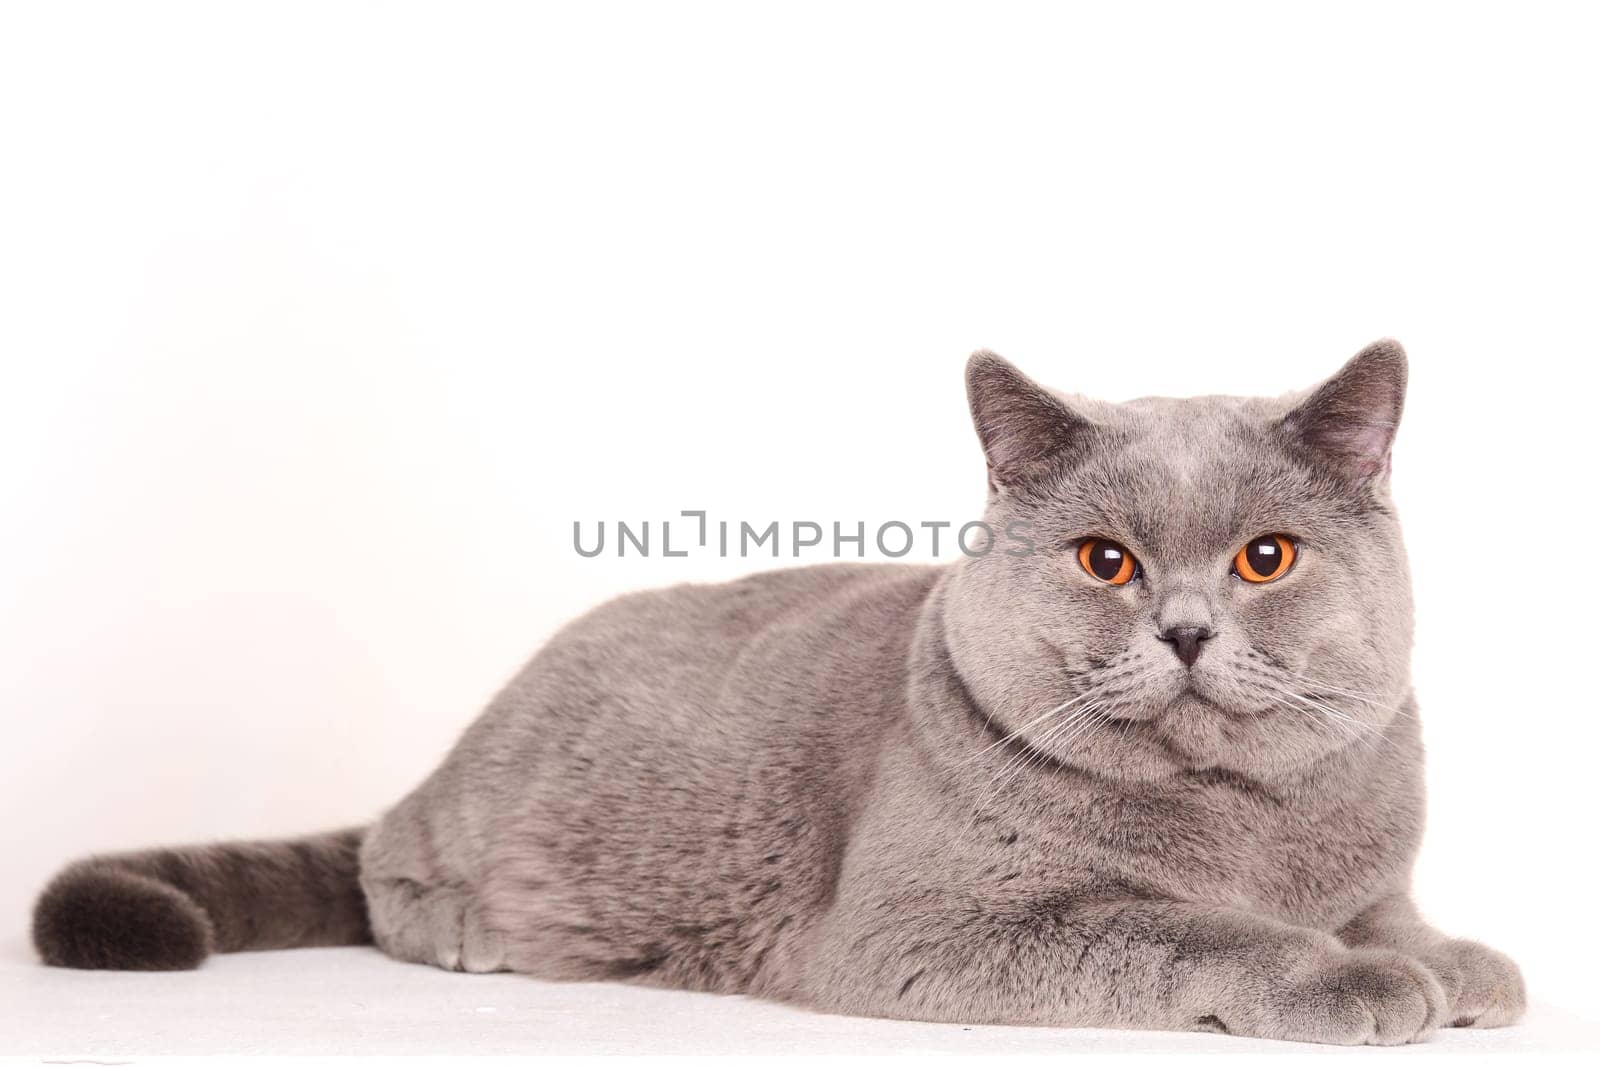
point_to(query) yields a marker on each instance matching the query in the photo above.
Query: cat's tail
(169, 909)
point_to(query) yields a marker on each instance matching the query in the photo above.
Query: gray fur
(168, 909)
(988, 792)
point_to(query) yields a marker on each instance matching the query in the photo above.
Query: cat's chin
(1194, 732)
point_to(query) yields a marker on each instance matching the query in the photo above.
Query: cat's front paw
(1484, 986)
(1374, 997)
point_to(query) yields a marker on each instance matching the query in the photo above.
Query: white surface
(322, 323)
(338, 1001)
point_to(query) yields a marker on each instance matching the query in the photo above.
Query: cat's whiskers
(1310, 751)
(1386, 702)
(1315, 716)
(1330, 712)
(1058, 735)
(1335, 713)
(1323, 684)
(1079, 721)
(1352, 727)
(1014, 735)
(1068, 726)
(1372, 730)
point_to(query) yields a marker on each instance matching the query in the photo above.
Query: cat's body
(676, 776)
(984, 792)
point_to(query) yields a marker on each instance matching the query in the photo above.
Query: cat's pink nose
(1186, 642)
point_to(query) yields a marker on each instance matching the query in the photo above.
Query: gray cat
(1162, 772)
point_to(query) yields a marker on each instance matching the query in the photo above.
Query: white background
(321, 324)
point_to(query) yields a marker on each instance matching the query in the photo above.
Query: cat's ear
(1348, 422)
(1023, 427)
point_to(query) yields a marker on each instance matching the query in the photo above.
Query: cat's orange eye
(1265, 558)
(1107, 561)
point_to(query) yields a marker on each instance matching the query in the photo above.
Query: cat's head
(1214, 582)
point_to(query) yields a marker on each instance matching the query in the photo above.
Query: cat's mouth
(1178, 717)
(1191, 700)
(1188, 702)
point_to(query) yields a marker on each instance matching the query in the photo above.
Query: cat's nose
(1186, 642)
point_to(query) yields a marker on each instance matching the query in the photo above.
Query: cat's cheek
(1287, 624)
(1101, 621)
